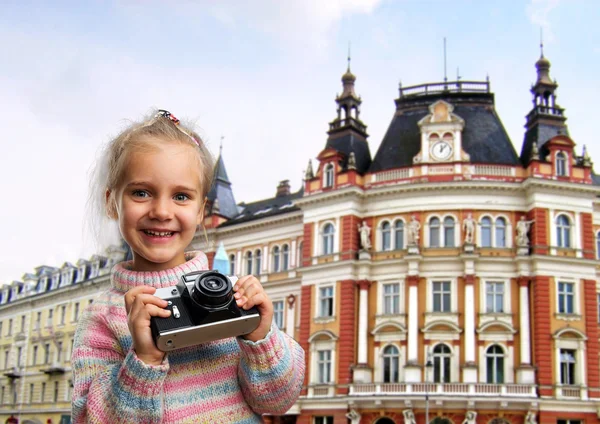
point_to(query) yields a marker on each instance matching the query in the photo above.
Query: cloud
(538, 12)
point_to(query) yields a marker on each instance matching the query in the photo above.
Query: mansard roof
(351, 141)
(483, 138)
(265, 208)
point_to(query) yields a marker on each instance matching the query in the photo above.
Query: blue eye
(140, 193)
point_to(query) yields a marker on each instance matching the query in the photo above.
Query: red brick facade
(542, 337)
(590, 299)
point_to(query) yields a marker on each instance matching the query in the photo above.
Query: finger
(131, 294)
(248, 286)
(258, 299)
(240, 282)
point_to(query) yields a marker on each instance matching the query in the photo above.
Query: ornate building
(446, 279)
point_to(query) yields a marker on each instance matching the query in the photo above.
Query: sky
(260, 76)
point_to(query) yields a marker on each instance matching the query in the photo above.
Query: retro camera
(203, 309)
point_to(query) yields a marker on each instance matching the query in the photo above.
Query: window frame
(564, 235)
(442, 363)
(320, 303)
(498, 360)
(279, 313)
(561, 163)
(394, 364)
(327, 239)
(328, 175)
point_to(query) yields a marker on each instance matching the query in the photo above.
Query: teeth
(159, 233)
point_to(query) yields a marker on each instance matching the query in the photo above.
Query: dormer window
(561, 164)
(95, 267)
(55, 281)
(328, 176)
(80, 274)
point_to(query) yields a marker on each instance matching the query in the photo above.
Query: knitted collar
(123, 278)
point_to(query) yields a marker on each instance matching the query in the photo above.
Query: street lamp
(428, 365)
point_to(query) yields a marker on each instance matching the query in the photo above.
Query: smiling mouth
(158, 233)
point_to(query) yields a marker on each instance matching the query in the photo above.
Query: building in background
(447, 278)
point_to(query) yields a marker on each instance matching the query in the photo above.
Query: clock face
(441, 150)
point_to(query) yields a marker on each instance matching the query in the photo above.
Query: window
(563, 231)
(46, 353)
(2, 396)
(276, 259)
(38, 321)
(328, 175)
(248, 263)
(23, 323)
(323, 420)
(566, 298)
(50, 318)
(561, 164)
(43, 393)
(63, 314)
(441, 296)
(326, 301)
(59, 348)
(257, 261)
(6, 352)
(328, 232)
(441, 364)
(19, 354)
(324, 366)
(232, 264)
(494, 298)
(486, 232)
(35, 354)
(55, 391)
(448, 232)
(76, 312)
(300, 252)
(391, 299)
(495, 365)
(278, 313)
(31, 386)
(399, 235)
(285, 257)
(386, 236)
(434, 232)
(500, 232)
(10, 327)
(391, 364)
(567, 366)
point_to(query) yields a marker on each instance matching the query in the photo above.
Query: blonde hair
(143, 136)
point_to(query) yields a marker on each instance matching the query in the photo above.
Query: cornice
(259, 223)
(329, 196)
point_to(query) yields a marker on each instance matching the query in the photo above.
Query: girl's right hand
(141, 304)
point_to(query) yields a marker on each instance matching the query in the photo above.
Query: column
(525, 372)
(362, 372)
(470, 367)
(293, 254)
(290, 319)
(413, 369)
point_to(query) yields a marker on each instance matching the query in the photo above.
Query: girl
(156, 177)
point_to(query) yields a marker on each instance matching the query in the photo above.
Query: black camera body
(203, 309)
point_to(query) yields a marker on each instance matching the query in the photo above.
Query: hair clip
(166, 114)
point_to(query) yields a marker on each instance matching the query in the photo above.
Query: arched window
(500, 232)
(561, 164)
(441, 363)
(563, 231)
(286, 257)
(276, 259)
(386, 236)
(486, 232)
(567, 366)
(391, 364)
(257, 262)
(399, 235)
(434, 232)
(232, 264)
(328, 175)
(495, 364)
(328, 232)
(448, 232)
(248, 263)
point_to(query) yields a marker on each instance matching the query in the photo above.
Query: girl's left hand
(248, 293)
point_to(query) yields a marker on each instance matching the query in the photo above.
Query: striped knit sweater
(226, 381)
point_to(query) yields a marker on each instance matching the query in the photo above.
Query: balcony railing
(433, 389)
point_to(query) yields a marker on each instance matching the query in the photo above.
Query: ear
(110, 205)
(200, 217)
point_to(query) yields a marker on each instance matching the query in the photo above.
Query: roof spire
(221, 145)
(349, 56)
(541, 42)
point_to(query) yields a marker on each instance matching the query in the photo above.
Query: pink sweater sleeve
(271, 372)
(112, 385)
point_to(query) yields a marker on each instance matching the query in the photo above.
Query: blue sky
(262, 74)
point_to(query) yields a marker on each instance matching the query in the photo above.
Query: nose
(161, 209)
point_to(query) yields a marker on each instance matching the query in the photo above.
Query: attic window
(561, 164)
(328, 176)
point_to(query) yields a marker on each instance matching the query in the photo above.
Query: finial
(349, 57)
(541, 42)
(309, 175)
(458, 77)
(445, 74)
(221, 145)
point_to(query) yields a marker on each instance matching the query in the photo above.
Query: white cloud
(538, 12)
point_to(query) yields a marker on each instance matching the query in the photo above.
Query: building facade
(446, 279)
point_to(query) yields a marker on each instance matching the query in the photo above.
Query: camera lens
(212, 289)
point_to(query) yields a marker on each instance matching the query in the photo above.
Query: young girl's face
(159, 205)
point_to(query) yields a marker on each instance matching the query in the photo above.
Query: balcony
(435, 389)
(54, 369)
(13, 373)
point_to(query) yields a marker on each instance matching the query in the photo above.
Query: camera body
(203, 309)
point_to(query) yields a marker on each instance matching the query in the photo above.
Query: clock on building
(441, 150)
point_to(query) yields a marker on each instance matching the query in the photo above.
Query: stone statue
(470, 418)
(530, 418)
(523, 227)
(365, 235)
(353, 416)
(469, 227)
(409, 417)
(413, 230)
